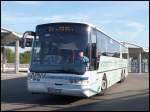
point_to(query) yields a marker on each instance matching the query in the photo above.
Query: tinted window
(101, 43)
(107, 46)
(114, 48)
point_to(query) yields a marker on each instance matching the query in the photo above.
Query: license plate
(52, 90)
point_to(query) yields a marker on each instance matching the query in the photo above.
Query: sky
(122, 20)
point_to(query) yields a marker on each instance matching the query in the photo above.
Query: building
(138, 58)
(11, 38)
(8, 37)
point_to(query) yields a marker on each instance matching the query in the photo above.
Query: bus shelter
(8, 37)
(138, 58)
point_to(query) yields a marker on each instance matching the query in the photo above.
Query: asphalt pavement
(131, 95)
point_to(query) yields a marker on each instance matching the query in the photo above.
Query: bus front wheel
(103, 85)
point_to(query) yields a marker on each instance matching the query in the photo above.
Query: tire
(104, 86)
(122, 77)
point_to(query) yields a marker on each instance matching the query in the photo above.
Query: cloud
(137, 28)
(126, 30)
(132, 30)
(136, 25)
(67, 17)
(28, 2)
(24, 19)
(57, 18)
(120, 29)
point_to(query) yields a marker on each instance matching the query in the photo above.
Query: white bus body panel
(60, 82)
(112, 67)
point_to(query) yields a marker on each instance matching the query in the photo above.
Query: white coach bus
(53, 68)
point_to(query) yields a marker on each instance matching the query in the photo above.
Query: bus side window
(94, 55)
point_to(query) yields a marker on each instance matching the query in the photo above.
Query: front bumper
(70, 90)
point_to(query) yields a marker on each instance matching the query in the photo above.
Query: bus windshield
(57, 46)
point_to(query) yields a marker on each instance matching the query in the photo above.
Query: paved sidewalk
(10, 75)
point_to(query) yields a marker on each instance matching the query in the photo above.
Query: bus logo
(37, 76)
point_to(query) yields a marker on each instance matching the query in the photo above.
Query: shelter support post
(128, 58)
(3, 58)
(17, 57)
(140, 62)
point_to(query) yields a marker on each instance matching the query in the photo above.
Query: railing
(135, 68)
(11, 67)
(145, 67)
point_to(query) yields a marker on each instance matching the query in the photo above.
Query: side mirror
(23, 39)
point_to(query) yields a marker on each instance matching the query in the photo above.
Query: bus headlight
(80, 81)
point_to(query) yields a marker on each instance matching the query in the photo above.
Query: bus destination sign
(60, 29)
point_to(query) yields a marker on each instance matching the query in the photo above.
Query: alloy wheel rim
(103, 84)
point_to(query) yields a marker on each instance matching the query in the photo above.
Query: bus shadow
(15, 91)
(136, 102)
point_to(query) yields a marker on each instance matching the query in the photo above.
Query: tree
(10, 56)
(25, 57)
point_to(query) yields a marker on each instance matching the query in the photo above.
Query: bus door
(93, 51)
(93, 59)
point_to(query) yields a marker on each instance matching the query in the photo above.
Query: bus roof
(68, 23)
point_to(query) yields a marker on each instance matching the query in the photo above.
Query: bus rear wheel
(122, 77)
(103, 86)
